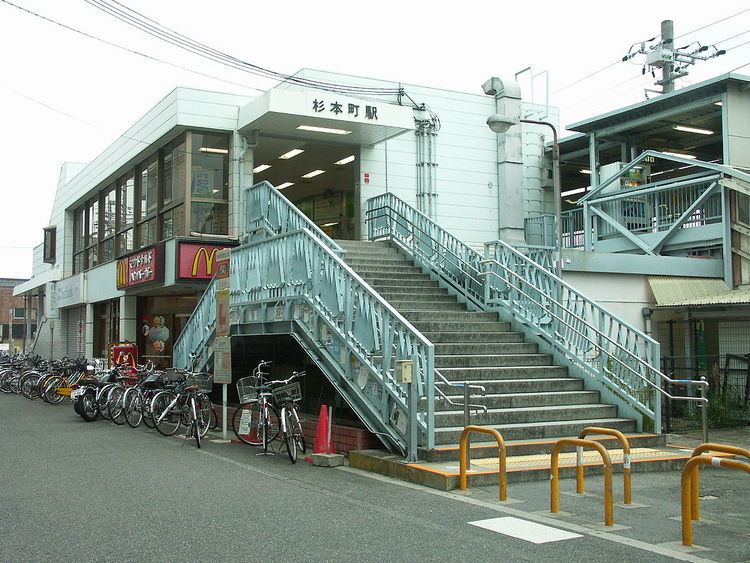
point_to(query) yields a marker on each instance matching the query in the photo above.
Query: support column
(240, 179)
(128, 318)
(89, 332)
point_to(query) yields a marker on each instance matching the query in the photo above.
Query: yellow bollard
(609, 518)
(688, 500)
(695, 478)
(465, 460)
(626, 471)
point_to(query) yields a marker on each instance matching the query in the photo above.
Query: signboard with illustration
(123, 353)
(197, 261)
(139, 268)
(157, 334)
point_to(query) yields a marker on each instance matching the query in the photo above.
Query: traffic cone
(321, 432)
(331, 441)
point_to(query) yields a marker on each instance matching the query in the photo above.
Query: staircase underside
(529, 400)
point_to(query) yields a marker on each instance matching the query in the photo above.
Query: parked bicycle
(187, 404)
(287, 394)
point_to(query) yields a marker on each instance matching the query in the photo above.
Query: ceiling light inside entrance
(213, 150)
(323, 130)
(313, 174)
(261, 168)
(693, 130)
(291, 154)
(284, 185)
(680, 154)
(346, 160)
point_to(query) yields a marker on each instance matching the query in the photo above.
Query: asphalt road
(76, 491)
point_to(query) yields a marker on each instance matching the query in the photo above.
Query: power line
(165, 34)
(122, 47)
(585, 77)
(732, 37)
(712, 23)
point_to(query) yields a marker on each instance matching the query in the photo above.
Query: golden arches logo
(208, 256)
(122, 273)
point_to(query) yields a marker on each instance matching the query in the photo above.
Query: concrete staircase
(530, 401)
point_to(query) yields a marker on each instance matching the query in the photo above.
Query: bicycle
(188, 403)
(256, 421)
(287, 394)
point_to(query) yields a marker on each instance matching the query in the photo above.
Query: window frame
(50, 245)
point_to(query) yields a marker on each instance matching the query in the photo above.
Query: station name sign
(352, 110)
(140, 268)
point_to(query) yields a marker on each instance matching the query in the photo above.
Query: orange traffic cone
(331, 442)
(321, 432)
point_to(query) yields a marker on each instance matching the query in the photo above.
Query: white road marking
(525, 530)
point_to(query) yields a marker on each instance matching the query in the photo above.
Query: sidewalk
(738, 436)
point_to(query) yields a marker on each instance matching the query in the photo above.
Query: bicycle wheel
(88, 407)
(205, 413)
(270, 426)
(115, 406)
(291, 443)
(133, 407)
(296, 430)
(101, 400)
(245, 423)
(50, 391)
(167, 412)
(28, 385)
(148, 397)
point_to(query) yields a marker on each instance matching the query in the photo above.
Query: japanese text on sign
(336, 108)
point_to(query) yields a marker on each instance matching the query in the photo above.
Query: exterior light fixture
(346, 160)
(261, 168)
(719, 104)
(214, 151)
(284, 185)
(291, 154)
(698, 130)
(323, 130)
(313, 174)
(573, 192)
(501, 123)
(585, 171)
(330, 224)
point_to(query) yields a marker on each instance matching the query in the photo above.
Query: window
(147, 183)
(19, 312)
(79, 240)
(174, 187)
(125, 214)
(50, 244)
(109, 217)
(209, 183)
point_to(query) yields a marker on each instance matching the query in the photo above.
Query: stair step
(522, 400)
(449, 316)
(385, 283)
(385, 260)
(525, 415)
(482, 375)
(494, 386)
(404, 294)
(403, 268)
(551, 429)
(463, 348)
(425, 326)
(480, 450)
(433, 307)
(491, 360)
(473, 336)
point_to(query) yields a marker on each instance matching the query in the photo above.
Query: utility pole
(672, 61)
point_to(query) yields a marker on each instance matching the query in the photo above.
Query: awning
(37, 281)
(675, 291)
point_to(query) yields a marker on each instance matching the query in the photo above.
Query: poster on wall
(157, 335)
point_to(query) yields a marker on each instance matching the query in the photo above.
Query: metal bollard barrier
(609, 518)
(695, 477)
(626, 473)
(688, 500)
(465, 461)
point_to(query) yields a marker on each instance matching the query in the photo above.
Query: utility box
(404, 371)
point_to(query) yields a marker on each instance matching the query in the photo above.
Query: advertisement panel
(141, 267)
(198, 261)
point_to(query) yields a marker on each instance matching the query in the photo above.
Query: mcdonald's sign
(197, 261)
(141, 267)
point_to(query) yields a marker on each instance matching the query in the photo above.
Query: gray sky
(94, 91)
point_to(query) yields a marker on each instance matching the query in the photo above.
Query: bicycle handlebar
(284, 381)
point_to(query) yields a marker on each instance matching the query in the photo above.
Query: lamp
(501, 123)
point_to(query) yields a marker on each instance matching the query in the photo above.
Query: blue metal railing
(606, 348)
(198, 332)
(349, 328)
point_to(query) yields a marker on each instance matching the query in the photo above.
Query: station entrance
(319, 178)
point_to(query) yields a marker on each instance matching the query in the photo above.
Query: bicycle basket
(172, 375)
(204, 381)
(247, 389)
(289, 392)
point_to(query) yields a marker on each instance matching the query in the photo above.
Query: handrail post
(464, 458)
(704, 408)
(609, 519)
(467, 422)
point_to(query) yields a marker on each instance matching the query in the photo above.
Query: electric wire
(127, 49)
(701, 28)
(159, 31)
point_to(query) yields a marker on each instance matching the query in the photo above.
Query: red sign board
(139, 268)
(124, 353)
(197, 261)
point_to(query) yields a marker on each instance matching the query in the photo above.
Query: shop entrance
(319, 178)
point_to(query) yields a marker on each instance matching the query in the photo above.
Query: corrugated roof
(674, 291)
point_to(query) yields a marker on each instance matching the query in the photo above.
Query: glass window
(79, 229)
(109, 212)
(126, 201)
(209, 218)
(91, 257)
(93, 222)
(210, 165)
(124, 242)
(174, 172)
(50, 244)
(146, 233)
(151, 185)
(173, 222)
(78, 261)
(108, 250)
